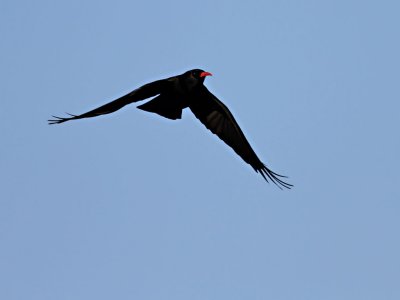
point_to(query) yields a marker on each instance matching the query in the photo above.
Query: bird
(187, 90)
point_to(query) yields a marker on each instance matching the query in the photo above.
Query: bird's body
(188, 91)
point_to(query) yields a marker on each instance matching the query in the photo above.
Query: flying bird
(179, 92)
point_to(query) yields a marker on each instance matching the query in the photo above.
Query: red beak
(204, 74)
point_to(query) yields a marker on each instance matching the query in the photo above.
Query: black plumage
(187, 90)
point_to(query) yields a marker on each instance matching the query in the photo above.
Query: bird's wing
(145, 91)
(220, 121)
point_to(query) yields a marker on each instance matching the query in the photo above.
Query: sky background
(134, 206)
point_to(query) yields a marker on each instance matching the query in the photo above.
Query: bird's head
(195, 77)
(199, 74)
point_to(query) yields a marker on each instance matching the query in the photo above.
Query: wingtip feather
(274, 177)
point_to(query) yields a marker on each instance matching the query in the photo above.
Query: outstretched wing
(146, 91)
(220, 121)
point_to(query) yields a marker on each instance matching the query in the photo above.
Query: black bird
(182, 91)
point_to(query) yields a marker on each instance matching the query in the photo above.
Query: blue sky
(134, 206)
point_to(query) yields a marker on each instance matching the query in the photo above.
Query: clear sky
(134, 206)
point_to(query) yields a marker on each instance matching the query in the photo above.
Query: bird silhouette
(176, 93)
